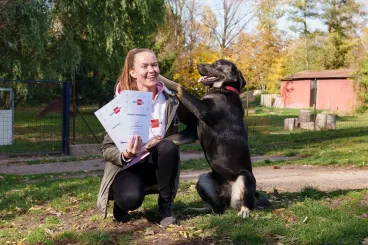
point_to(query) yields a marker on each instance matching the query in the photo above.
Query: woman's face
(145, 71)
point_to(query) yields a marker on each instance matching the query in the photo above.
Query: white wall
(6, 127)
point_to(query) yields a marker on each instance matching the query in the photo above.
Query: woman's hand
(134, 147)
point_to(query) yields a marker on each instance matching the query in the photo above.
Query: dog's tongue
(201, 79)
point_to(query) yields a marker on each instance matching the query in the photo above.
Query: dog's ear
(241, 79)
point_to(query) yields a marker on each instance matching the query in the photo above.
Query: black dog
(219, 126)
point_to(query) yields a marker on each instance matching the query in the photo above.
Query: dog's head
(221, 73)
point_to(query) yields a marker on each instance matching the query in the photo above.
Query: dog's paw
(244, 212)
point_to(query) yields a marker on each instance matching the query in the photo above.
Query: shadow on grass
(284, 222)
(285, 199)
(19, 196)
(307, 217)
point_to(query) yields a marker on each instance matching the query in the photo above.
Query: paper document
(126, 115)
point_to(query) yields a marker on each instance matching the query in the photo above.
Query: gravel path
(287, 178)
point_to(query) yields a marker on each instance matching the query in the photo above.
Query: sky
(284, 24)
(317, 24)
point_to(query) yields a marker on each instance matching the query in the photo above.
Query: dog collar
(232, 89)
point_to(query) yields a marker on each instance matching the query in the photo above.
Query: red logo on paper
(116, 110)
(155, 123)
(139, 102)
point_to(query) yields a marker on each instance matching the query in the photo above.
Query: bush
(257, 101)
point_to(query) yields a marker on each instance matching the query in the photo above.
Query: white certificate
(126, 115)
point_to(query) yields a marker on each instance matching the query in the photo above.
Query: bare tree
(234, 16)
(301, 12)
(177, 12)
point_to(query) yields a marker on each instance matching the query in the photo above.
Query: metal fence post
(66, 118)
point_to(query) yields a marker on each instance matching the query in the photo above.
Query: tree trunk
(304, 116)
(291, 123)
(331, 121)
(307, 125)
(321, 121)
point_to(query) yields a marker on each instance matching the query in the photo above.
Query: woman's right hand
(134, 147)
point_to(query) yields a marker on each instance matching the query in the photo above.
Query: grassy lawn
(38, 211)
(265, 129)
(335, 147)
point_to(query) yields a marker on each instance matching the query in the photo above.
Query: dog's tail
(262, 201)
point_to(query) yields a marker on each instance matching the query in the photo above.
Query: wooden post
(304, 116)
(291, 123)
(321, 121)
(331, 121)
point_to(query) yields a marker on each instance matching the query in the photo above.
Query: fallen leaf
(149, 232)
(305, 219)
(35, 208)
(184, 234)
(276, 167)
(364, 241)
(279, 237)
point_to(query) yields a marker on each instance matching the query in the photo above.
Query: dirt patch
(294, 178)
(140, 230)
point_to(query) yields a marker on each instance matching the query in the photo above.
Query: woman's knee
(168, 148)
(128, 190)
(129, 200)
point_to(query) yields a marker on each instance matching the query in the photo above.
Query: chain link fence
(37, 124)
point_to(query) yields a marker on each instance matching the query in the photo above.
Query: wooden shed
(329, 89)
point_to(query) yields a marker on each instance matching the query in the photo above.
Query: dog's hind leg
(206, 187)
(243, 193)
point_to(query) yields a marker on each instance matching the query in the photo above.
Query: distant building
(329, 89)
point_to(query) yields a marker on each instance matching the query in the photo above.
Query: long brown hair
(125, 80)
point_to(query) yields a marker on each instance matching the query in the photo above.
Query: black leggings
(161, 167)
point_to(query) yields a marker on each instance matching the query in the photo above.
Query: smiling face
(145, 71)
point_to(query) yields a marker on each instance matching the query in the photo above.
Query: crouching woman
(159, 172)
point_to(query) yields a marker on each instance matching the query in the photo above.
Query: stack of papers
(128, 114)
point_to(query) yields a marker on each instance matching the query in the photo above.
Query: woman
(161, 168)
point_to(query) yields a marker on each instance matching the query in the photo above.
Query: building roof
(325, 74)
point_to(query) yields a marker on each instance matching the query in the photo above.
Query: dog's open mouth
(208, 80)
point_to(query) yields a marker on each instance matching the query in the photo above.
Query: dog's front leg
(244, 212)
(187, 136)
(243, 194)
(195, 105)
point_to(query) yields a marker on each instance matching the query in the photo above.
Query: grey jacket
(112, 155)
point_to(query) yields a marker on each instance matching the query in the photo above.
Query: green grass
(334, 147)
(63, 212)
(194, 164)
(56, 159)
(265, 129)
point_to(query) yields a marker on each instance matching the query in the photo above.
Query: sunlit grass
(265, 129)
(63, 212)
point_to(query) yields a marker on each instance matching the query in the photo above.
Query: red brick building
(329, 89)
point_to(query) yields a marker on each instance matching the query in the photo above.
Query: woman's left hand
(134, 147)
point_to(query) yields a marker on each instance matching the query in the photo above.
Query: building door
(313, 93)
